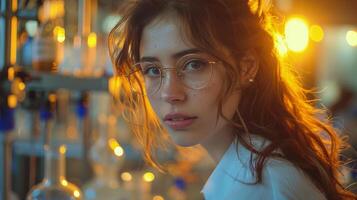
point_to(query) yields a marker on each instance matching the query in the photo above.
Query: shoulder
(234, 177)
(281, 178)
(288, 181)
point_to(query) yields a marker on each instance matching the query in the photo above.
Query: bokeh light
(126, 176)
(158, 197)
(22, 86)
(59, 33)
(281, 45)
(76, 193)
(118, 151)
(115, 146)
(10, 73)
(12, 101)
(148, 177)
(92, 40)
(316, 33)
(296, 34)
(64, 182)
(52, 98)
(351, 38)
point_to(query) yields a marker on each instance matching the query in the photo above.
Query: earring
(251, 80)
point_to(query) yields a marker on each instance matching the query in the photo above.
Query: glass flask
(106, 157)
(48, 42)
(54, 186)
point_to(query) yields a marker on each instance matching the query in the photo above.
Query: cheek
(155, 103)
(230, 101)
(230, 106)
(207, 98)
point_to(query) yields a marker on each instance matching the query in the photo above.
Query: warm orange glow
(114, 84)
(158, 197)
(14, 5)
(64, 182)
(13, 44)
(54, 9)
(351, 38)
(126, 176)
(281, 45)
(52, 98)
(55, 30)
(60, 8)
(148, 177)
(62, 149)
(119, 151)
(114, 145)
(17, 87)
(22, 86)
(76, 193)
(11, 73)
(12, 101)
(296, 34)
(92, 40)
(59, 33)
(253, 5)
(316, 33)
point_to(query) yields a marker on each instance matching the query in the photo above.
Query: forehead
(164, 36)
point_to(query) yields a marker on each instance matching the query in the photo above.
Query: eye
(195, 65)
(150, 69)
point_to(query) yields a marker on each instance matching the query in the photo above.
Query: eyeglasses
(193, 70)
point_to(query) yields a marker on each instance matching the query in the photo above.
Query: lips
(178, 121)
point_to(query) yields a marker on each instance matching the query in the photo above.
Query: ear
(249, 66)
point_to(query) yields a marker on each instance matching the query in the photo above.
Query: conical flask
(54, 186)
(106, 156)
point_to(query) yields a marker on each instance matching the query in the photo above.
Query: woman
(206, 72)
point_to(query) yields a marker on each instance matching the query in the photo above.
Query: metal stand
(9, 40)
(6, 125)
(4, 154)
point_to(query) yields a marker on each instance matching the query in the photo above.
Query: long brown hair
(274, 107)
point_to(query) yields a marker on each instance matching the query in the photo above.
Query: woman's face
(189, 115)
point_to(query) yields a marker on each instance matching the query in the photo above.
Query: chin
(184, 141)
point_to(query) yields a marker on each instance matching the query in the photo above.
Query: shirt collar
(233, 166)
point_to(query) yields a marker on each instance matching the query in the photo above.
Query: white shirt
(232, 179)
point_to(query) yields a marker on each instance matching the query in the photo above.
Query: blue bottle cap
(45, 114)
(81, 110)
(180, 183)
(7, 120)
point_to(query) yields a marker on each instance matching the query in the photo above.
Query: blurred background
(59, 125)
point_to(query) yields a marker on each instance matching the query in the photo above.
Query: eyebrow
(175, 56)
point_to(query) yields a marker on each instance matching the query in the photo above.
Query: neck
(217, 144)
(54, 166)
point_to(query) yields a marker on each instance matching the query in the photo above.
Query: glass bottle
(81, 167)
(47, 44)
(54, 186)
(106, 156)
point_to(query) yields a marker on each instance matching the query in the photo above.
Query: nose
(172, 90)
